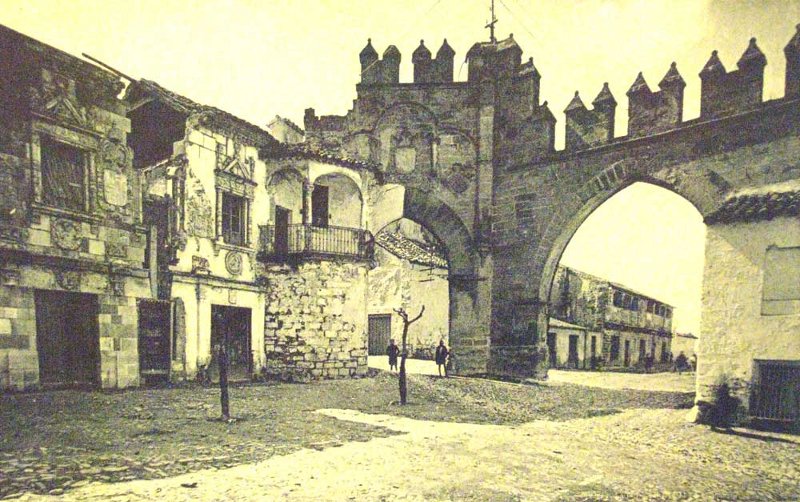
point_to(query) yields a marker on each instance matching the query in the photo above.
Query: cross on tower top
(491, 24)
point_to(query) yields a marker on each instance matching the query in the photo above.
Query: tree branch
(418, 316)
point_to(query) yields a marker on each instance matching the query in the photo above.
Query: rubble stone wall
(315, 321)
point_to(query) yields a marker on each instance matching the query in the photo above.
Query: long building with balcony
(598, 322)
(263, 247)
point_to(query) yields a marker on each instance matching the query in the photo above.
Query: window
(780, 293)
(618, 298)
(626, 301)
(634, 303)
(63, 168)
(233, 219)
(651, 306)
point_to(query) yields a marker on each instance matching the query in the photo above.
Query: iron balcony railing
(294, 240)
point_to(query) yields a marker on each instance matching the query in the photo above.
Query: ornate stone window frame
(226, 182)
(84, 140)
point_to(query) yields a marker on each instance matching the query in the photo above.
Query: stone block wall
(315, 321)
(19, 362)
(119, 351)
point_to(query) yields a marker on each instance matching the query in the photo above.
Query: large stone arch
(470, 294)
(704, 189)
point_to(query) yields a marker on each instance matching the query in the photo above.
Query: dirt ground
(346, 440)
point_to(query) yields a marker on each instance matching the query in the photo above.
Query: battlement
(588, 128)
(653, 112)
(723, 93)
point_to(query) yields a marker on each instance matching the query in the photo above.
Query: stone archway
(704, 190)
(469, 276)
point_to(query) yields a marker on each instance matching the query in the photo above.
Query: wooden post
(404, 353)
(223, 382)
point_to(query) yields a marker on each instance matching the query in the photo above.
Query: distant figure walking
(441, 357)
(392, 351)
(694, 362)
(681, 363)
(648, 363)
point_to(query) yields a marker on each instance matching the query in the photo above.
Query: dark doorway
(67, 339)
(593, 360)
(627, 361)
(319, 206)
(776, 393)
(642, 350)
(664, 354)
(231, 326)
(154, 341)
(573, 351)
(380, 331)
(614, 356)
(551, 349)
(282, 218)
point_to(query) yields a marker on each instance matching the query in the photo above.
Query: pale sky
(259, 58)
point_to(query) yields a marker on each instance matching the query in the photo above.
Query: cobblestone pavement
(635, 455)
(666, 382)
(54, 442)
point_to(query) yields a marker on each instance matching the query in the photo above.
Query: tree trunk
(223, 383)
(403, 385)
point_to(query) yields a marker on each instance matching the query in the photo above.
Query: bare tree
(404, 353)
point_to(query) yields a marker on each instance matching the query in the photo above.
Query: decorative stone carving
(57, 97)
(233, 262)
(199, 217)
(116, 249)
(66, 234)
(116, 285)
(115, 157)
(68, 279)
(200, 265)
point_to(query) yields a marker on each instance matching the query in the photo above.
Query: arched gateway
(476, 165)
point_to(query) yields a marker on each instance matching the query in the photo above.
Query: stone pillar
(218, 213)
(308, 188)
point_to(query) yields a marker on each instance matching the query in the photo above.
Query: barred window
(63, 170)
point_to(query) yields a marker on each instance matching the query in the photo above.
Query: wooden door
(282, 217)
(67, 338)
(154, 341)
(231, 326)
(380, 331)
(319, 206)
(573, 351)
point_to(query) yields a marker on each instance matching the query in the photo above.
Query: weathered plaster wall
(734, 331)
(396, 283)
(316, 320)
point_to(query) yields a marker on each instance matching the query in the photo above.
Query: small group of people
(442, 356)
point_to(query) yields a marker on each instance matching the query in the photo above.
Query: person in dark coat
(441, 357)
(681, 363)
(392, 351)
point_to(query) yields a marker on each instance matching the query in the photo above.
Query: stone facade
(70, 222)
(216, 189)
(506, 231)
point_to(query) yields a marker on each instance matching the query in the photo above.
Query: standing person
(681, 362)
(392, 351)
(441, 357)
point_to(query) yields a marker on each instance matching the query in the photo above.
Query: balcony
(289, 242)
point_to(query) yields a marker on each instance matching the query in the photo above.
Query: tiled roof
(765, 204)
(185, 105)
(306, 151)
(410, 250)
